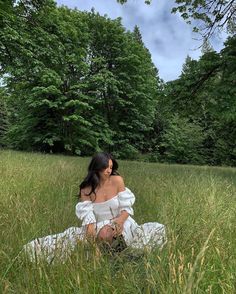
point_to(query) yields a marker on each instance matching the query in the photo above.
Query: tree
(183, 141)
(138, 35)
(210, 15)
(45, 68)
(124, 83)
(4, 123)
(205, 96)
(77, 82)
(206, 47)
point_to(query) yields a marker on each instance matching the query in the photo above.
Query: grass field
(197, 204)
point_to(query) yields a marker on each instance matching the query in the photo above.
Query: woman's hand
(119, 222)
(91, 232)
(118, 226)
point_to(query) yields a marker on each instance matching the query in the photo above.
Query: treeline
(196, 116)
(76, 82)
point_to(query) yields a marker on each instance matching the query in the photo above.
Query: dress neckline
(106, 200)
(110, 198)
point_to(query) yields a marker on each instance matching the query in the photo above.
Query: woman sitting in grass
(105, 209)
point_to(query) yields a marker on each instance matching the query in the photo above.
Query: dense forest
(75, 82)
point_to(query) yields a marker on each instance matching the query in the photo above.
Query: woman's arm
(120, 220)
(90, 231)
(90, 228)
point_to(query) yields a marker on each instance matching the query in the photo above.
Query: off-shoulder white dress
(60, 245)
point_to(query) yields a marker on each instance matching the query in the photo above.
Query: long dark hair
(99, 162)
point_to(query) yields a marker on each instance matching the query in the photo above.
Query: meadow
(196, 203)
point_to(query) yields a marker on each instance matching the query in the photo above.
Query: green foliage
(211, 16)
(183, 141)
(4, 123)
(204, 95)
(42, 75)
(77, 82)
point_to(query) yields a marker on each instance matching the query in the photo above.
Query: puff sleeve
(126, 200)
(84, 211)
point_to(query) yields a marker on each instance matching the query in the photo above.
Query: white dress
(60, 245)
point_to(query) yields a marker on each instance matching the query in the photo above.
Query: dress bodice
(107, 209)
(94, 212)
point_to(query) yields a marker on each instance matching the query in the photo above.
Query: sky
(167, 36)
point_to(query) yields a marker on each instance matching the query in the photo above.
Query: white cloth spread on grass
(147, 235)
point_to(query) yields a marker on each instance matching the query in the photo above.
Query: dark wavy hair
(99, 162)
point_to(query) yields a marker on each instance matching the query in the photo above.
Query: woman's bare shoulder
(118, 182)
(117, 178)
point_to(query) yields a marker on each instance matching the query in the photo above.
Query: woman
(105, 210)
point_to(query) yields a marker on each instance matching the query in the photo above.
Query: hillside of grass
(197, 205)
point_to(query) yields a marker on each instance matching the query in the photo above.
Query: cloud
(168, 38)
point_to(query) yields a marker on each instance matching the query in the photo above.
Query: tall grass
(197, 204)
